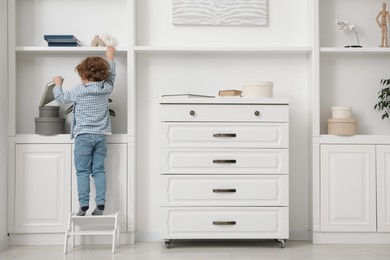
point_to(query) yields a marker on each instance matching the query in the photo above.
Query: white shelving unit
(348, 77)
(204, 59)
(31, 65)
(223, 50)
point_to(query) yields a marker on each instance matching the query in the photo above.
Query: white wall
(159, 74)
(3, 126)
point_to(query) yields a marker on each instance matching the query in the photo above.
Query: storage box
(49, 111)
(258, 89)
(49, 125)
(342, 126)
(341, 112)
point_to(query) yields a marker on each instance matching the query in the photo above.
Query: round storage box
(49, 126)
(49, 111)
(258, 89)
(342, 126)
(341, 112)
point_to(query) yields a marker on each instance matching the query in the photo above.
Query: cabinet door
(383, 186)
(348, 188)
(42, 192)
(116, 169)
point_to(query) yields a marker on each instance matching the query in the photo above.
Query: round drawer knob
(257, 113)
(192, 112)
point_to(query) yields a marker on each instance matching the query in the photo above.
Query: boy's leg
(99, 173)
(83, 164)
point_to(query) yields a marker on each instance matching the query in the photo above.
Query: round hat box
(49, 111)
(341, 112)
(258, 89)
(49, 125)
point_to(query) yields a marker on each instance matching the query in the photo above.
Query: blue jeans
(89, 155)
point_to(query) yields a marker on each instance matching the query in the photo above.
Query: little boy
(90, 124)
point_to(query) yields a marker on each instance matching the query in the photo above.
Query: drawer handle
(224, 161)
(192, 112)
(257, 113)
(224, 190)
(224, 135)
(224, 223)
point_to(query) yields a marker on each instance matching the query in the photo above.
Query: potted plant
(112, 112)
(384, 99)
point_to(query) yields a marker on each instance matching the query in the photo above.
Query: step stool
(73, 223)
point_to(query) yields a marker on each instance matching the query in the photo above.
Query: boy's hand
(58, 80)
(110, 53)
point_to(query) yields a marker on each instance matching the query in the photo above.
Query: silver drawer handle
(257, 113)
(224, 161)
(192, 112)
(224, 135)
(224, 223)
(224, 190)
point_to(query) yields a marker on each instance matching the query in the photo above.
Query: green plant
(112, 112)
(384, 99)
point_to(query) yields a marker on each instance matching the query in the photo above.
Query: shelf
(61, 138)
(46, 49)
(355, 139)
(229, 50)
(368, 50)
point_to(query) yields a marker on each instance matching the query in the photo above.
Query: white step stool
(75, 221)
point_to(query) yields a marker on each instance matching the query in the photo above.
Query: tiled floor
(204, 250)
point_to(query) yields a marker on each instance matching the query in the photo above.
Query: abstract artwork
(220, 12)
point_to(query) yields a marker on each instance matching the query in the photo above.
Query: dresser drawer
(229, 135)
(228, 190)
(228, 223)
(215, 112)
(224, 161)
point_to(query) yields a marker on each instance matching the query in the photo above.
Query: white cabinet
(355, 189)
(348, 188)
(42, 190)
(224, 170)
(383, 187)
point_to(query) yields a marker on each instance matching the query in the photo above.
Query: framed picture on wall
(220, 12)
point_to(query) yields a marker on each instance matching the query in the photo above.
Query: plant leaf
(112, 112)
(70, 109)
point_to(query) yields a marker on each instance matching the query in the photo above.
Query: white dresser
(224, 169)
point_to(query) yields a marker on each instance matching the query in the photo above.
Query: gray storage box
(49, 111)
(49, 125)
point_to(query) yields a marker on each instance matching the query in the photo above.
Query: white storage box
(341, 112)
(258, 89)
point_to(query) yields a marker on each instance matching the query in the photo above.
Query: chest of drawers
(224, 169)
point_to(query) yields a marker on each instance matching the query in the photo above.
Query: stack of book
(62, 40)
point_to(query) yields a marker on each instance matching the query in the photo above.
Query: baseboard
(4, 243)
(351, 238)
(59, 238)
(300, 235)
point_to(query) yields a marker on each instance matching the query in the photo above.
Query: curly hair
(93, 69)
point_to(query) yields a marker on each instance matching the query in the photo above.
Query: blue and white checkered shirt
(90, 105)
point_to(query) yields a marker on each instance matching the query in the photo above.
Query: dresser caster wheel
(168, 243)
(282, 243)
